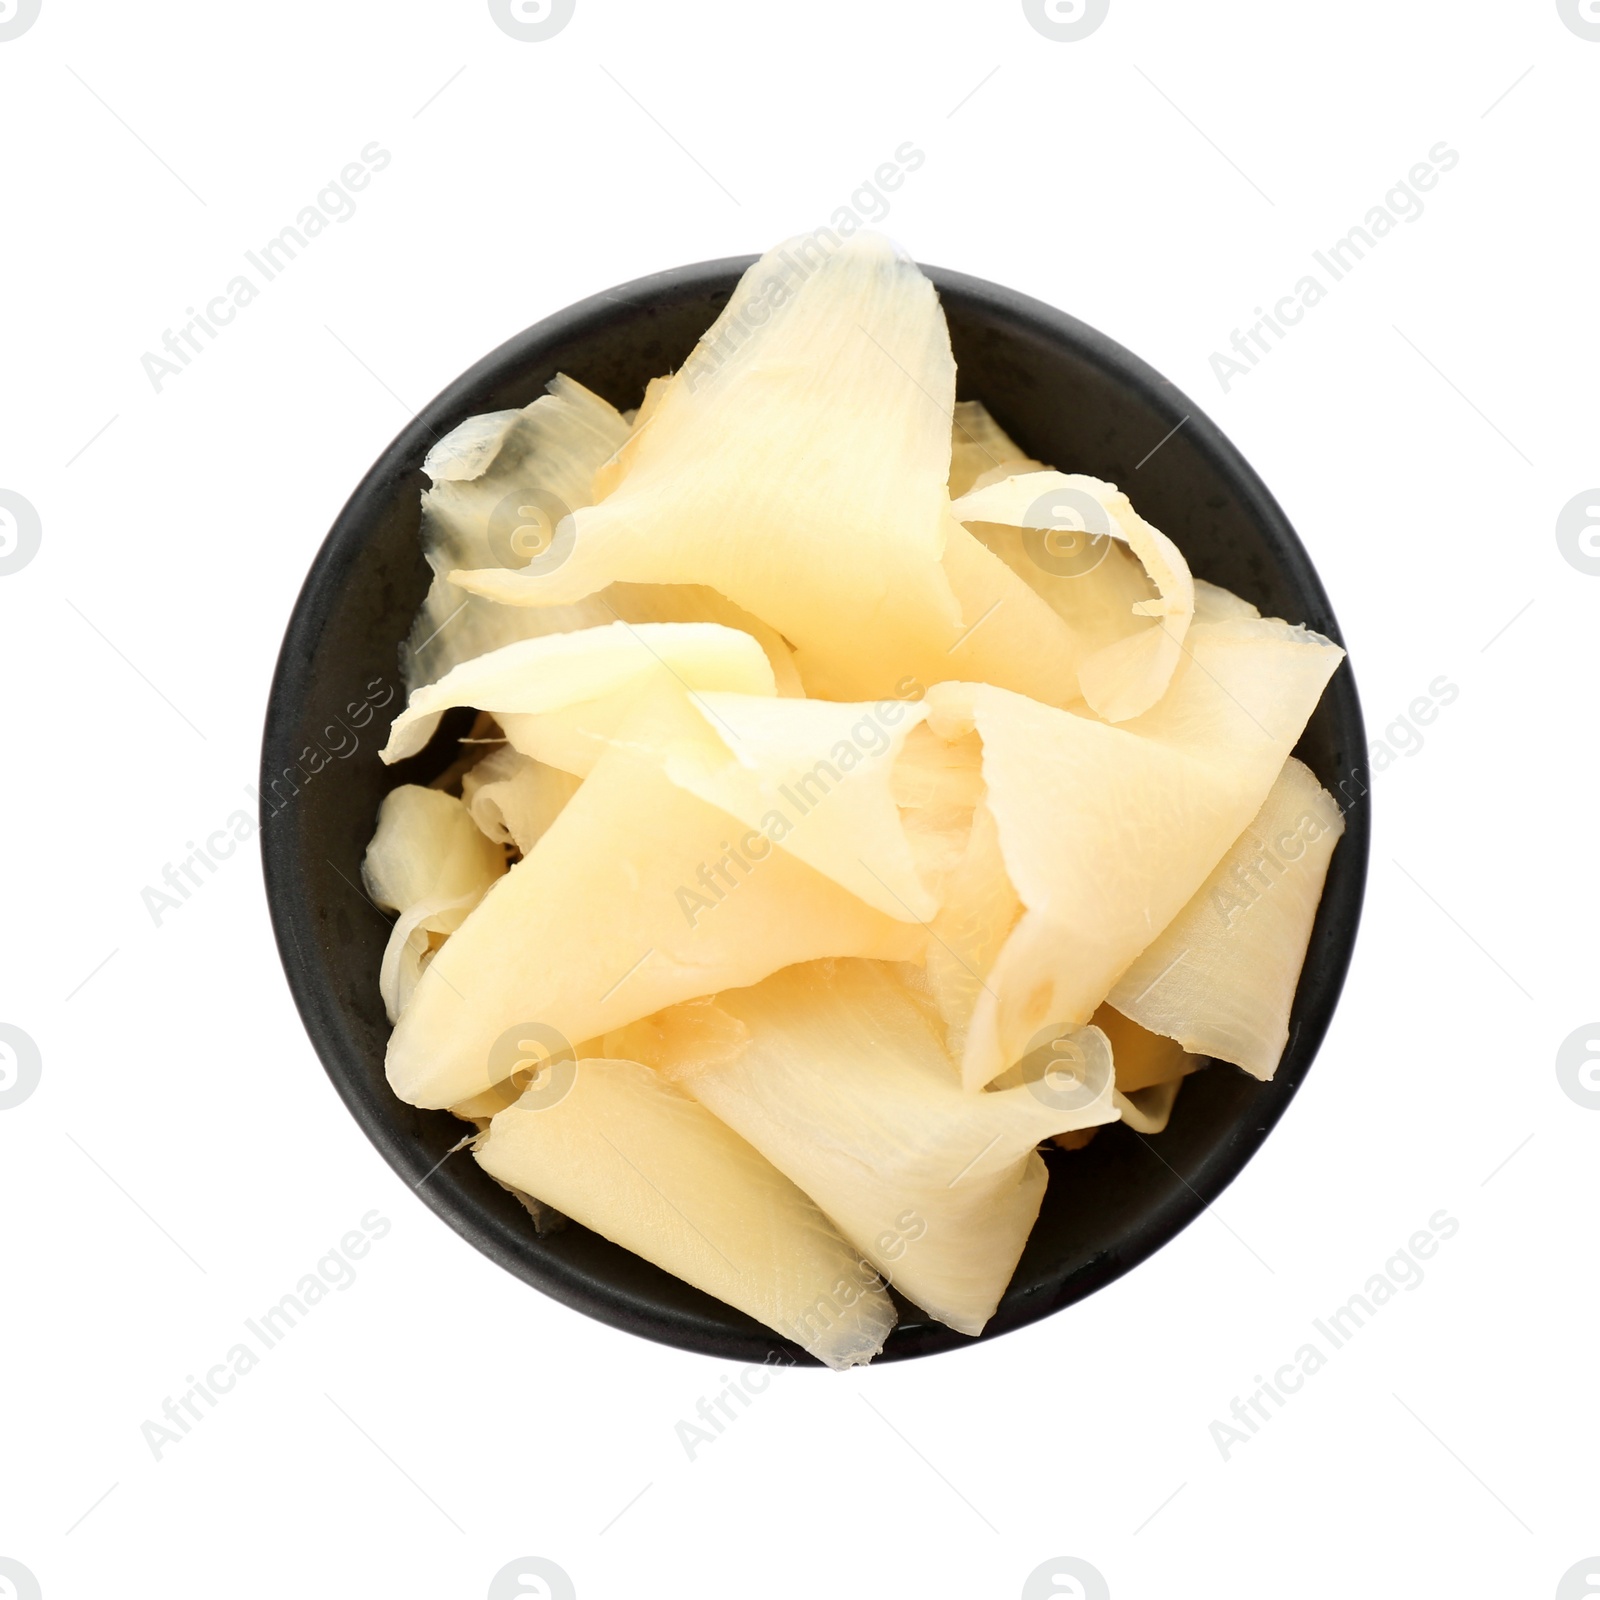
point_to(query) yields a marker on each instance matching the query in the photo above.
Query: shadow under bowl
(1068, 395)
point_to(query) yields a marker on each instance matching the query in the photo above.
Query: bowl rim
(306, 966)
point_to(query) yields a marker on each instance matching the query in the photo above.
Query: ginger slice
(1104, 833)
(1057, 531)
(752, 477)
(981, 450)
(615, 1147)
(626, 865)
(429, 862)
(1148, 1069)
(836, 1072)
(1221, 978)
(501, 483)
(799, 465)
(514, 798)
(560, 698)
(812, 778)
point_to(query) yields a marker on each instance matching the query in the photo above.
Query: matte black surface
(1069, 396)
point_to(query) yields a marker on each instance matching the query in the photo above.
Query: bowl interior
(1069, 396)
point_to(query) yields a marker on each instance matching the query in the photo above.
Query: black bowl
(1068, 395)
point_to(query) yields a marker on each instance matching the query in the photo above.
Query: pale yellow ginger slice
(480, 1108)
(1009, 634)
(810, 778)
(514, 798)
(980, 447)
(937, 786)
(690, 602)
(1143, 1059)
(1104, 833)
(551, 447)
(1007, 470)
(1144, 1110)
(1212, 603)
(560, 698)
(602, 923)
(429, 862)
(799, 465)
(1148, 1071)
(616, 469)
(980, 910)
(835, 1071)
(1221, 978)
(1241, 686)
(501, 483)
(1148, 1110)
(937, 774)
(1091, 584)
(638, 604)
(1063, 525)
(618, 1149)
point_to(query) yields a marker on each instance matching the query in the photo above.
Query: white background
(184, 1162)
